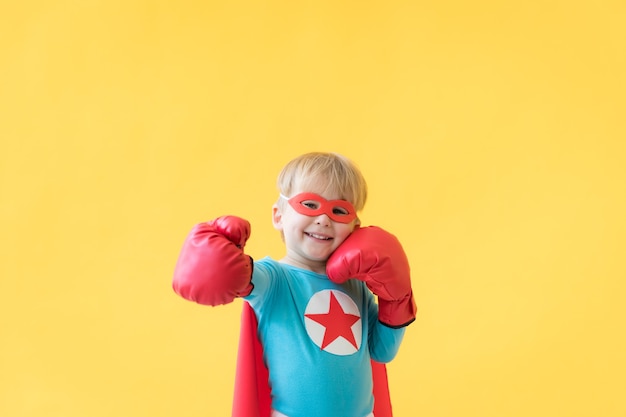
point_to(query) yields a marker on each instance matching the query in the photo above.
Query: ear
(277, 217)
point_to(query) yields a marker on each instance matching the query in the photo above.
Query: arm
(212, 268)
(383, 341)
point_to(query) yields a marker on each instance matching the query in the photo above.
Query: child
(319, 329)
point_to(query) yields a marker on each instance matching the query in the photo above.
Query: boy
(319, 329)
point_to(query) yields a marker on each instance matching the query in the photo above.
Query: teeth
(318, 236)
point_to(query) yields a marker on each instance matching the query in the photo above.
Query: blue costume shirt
(318, 339)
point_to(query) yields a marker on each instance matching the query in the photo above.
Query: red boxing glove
(212, 268)
(376, 257)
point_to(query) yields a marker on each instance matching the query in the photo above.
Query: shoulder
(269, 279)
(266, 272)
(268, 266)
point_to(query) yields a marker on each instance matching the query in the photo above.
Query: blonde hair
(331, 172)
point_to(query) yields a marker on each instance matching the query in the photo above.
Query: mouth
(318, 237)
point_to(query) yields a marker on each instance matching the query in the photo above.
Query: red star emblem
(337, 322)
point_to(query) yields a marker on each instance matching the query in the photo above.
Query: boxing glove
(212, 268)
(372, 255)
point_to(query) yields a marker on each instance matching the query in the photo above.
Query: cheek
(344, 231)
(295, 222)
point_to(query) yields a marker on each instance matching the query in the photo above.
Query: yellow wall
(492, 134)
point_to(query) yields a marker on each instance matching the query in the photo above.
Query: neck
(318, 267)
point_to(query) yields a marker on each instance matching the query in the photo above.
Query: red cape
(252, 391)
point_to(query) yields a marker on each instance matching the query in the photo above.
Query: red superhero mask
(312, 205)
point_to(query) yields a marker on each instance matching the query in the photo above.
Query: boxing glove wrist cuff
(248, 288)
(398, 313)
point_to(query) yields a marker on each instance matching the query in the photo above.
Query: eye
(340, 211)
(310, 204)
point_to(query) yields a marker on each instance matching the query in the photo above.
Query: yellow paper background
(492, 135)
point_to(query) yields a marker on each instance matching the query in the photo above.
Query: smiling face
(321, 194)
(310, 238)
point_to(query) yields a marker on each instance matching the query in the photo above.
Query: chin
(319, 258)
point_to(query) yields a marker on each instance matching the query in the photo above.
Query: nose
(323, 220)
